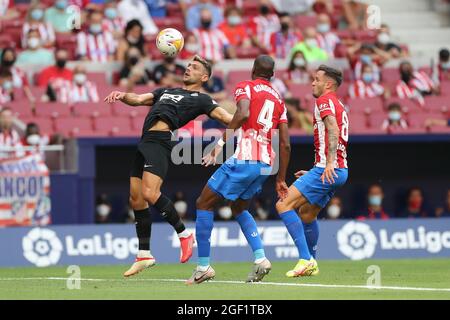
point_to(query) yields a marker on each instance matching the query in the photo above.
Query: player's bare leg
(144, 258)
(203, 226)
(151, 191)
(287, 210)
(308, 214)
(262, 265)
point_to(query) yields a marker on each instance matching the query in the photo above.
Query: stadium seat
(390, 75)
(115, 126)
(377, 119)
(374, 105)
(300, 91)
(437, 104)
(417, 120)
(7, 41)
(21, 108)
(440, 129)
(89, 109)
(408, 105)
(120, 109)
(302, 21)
(45, 124)
(247, 53)
(236, 76)
(365, 35)
(137, 123)
(358, 122)
(342, 91)
(445, 88)
(75, 127)
(174, 10)
(52, 109)
(37, 92)
(170, 22)
(99, 78)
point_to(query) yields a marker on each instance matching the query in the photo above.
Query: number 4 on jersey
(265, 115)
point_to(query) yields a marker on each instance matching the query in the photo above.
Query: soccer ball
(170, 42)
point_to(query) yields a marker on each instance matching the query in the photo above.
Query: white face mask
(180, 206)
(33, 43)
(33, 139)
(334, 211)
(299, 62)
(225, 213)
(103, 209)
(192, 47)
(79, 78)
(394, 116)
(310, 42)
(383, 38)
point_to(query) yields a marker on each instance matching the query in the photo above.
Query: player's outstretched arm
(221, 115)
(333, 138)
(284, 155)
(131, 99)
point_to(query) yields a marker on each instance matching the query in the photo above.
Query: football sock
(295, 229)
(312, 236)
(169, 213)
(143, 227)
(203, 227)
(250, 231)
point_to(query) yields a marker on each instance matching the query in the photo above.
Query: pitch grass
(106, 282)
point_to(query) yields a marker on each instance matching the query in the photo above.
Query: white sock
(257, 261)
(184, 234)
(202, 268)
(144, 254)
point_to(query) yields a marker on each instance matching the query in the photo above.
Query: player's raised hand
(282, 189)
(329, 174)
(114, 96)
(211, 158)
(300, 173)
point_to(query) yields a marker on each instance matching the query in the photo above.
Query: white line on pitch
(313, 285)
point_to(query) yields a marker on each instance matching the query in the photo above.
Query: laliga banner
(24, 192)
(117, 244)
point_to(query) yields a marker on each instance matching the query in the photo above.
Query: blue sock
(203, 228)
(295, 228)
(312, 236)
(250, 231)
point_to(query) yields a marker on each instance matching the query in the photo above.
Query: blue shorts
(239, 179)
(316, 192)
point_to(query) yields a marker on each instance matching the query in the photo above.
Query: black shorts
(153, 154)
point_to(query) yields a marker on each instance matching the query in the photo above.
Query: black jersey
(177, 107)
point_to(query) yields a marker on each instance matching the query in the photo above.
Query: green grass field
(400, 279)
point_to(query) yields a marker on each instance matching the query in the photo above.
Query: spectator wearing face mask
(310, 47)
(59, 17)
(394, 122)
(444, 211)
(297, 72)
(263, 25)
(133, 37)
(191, 47)
(134, 72)
(214, 45)
(95, 44)
(57, 71)
(414, 84)
(169, 73)
(102, 209)
(137, 10)
(35, 54)
(234, 29)
(367, 86)
(6, 87)
(326, 39)
(334, 209)
(443, 66)
(33, 138)
(415, 206)
(112, 22)
(35, 20)
(385, 46)
(7, 10)
(366, 56)
(181, 205)
(9, 137)
(194, 15)
(375, 208)
(283, 41)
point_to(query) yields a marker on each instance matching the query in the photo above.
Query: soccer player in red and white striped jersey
(314, 188)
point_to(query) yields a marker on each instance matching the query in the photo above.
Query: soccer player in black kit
(171, 109)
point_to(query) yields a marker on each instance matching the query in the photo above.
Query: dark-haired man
(314, 188)
(260, 110)
(172, 108)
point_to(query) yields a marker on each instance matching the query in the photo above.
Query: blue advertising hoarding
(117, 244)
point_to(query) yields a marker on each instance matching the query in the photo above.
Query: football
(170, 41)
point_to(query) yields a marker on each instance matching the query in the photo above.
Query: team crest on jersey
(173, 97)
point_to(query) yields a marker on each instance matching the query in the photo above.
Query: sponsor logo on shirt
(173, 97)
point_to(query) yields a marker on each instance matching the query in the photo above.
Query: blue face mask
(366, 59)
(367, 77)
(61, 4)
(323, 27)
(375, 200)
(7, 85)
(394, 115)
(95, 28)
(445, 65)
(37, 14)
(111, 13)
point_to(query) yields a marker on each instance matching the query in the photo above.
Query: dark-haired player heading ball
(172, 108)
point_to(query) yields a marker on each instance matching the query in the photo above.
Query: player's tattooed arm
(131, 99)
(333, 139)
(221, 115)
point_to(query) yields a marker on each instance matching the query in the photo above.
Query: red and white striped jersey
(10, 139)
(282, 45)
(4, 6)
(360, 89)
(96, 47)
(421, 82)
(115, 25)
(68, 92)
(328, 42)
(357, 71)
(45, 30)
(5, 97)
(263, 27)
(19, 77)
(212, 43)
(267, 111)
(326, 105)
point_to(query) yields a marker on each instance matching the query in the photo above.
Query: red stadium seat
(174, 10)
(89, 109)
(120, 109)
(99, 78)
(45, 124)
(52, 109)
(417, 120)
(137, 123)
(301, 91)
(390, 75)
(440, 129)
(21, 108)
(247, 53)
(301, 22)
(236, 76)
(358, 122)
(75, 127)
(445, 88)
(342, 91)
(348, 75)
(38, 92)
(7, 40)
(372, 105)
(437, 103)
(344, 34)
(365, 35)
(408, 105)
(115, 126)
(170, 22)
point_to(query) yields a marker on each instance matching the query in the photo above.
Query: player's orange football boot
(139, 265)
(186, 245)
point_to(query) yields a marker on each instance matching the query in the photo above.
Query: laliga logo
(42, 247)
(356, 240)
